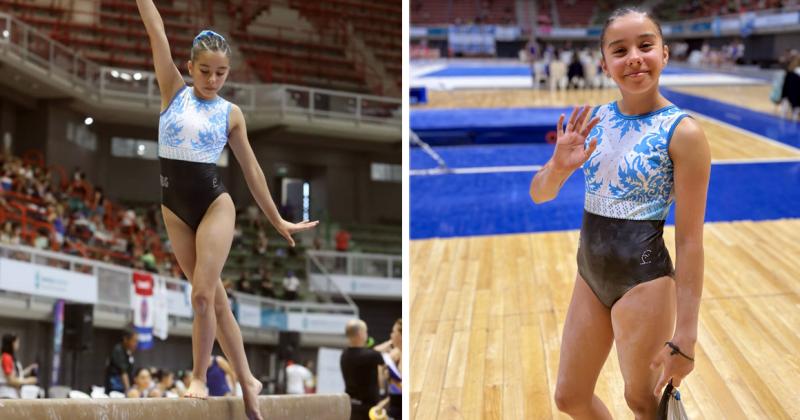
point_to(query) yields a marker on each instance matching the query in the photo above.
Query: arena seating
(463, 11)
(31, 214)
(575, 12)
(112, 34)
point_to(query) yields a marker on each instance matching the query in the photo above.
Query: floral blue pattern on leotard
(193, 129)
(630, 175)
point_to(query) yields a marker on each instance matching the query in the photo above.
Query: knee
(202, 300)
(641, 401)
(570, 401)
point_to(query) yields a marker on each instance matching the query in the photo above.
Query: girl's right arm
(568, 156)
(169, 78)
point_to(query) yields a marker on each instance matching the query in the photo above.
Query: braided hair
(208, 40)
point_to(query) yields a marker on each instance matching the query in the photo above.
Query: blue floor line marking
(472, 156)
(770, 126)
(498, 203)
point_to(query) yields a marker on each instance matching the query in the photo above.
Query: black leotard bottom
(617, 254)
(189, 188)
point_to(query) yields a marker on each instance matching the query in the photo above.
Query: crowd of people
(570, 67)
(124, 379)
(74, 217)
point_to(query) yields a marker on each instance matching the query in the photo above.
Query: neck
(198, 95)
(641, 102)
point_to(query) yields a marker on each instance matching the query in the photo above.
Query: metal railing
(32, 46)
(114, 284)
(331, 288)
(354, 264)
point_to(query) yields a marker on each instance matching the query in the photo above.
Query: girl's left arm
(691, 159)
(254, 176)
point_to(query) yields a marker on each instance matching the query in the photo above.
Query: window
(386, 172)
(81, 135)
(134, 148)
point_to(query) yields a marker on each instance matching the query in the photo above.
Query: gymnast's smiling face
(209, 70)
(634, 53)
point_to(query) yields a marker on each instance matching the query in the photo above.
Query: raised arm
(254, 176)
(568, 156)
(169, 78)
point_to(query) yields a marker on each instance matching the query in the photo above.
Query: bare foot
(197, 389)
(250, 391)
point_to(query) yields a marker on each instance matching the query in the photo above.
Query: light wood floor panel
(755, 97)
(487, 315)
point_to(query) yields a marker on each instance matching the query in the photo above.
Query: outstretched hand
(287, 229)
(570, 153)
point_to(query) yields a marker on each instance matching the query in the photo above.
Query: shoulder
(686, 131)
(376, 356)
(235, 116)
(689, 142)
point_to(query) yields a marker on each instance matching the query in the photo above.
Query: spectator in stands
(267, 289)
(42, 240)
(791, 86)
(253, 215)
(261, 244)
(97, 204)
(143, 386)
(12, 375)
(237, 236)
(165, 382)
(17, 238)
(297, 376)
(290, 286)
(244, 285)
(342, 245)
(575, 73)
(342, 240)
(6, 181)
(359, 366)
(184, 379)
(119, 368)
(7, 233)
(220, 378)
(56, 218)
(149, 260)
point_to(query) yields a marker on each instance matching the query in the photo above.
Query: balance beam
(283, 407)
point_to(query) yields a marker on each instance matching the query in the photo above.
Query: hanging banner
(471, 39)
(142, 303)
(40, 280)
(58, 334)
(160, 310)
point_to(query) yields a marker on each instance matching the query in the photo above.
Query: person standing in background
(12, 376)
(119, 370)
(296, 377)
(359, 366)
